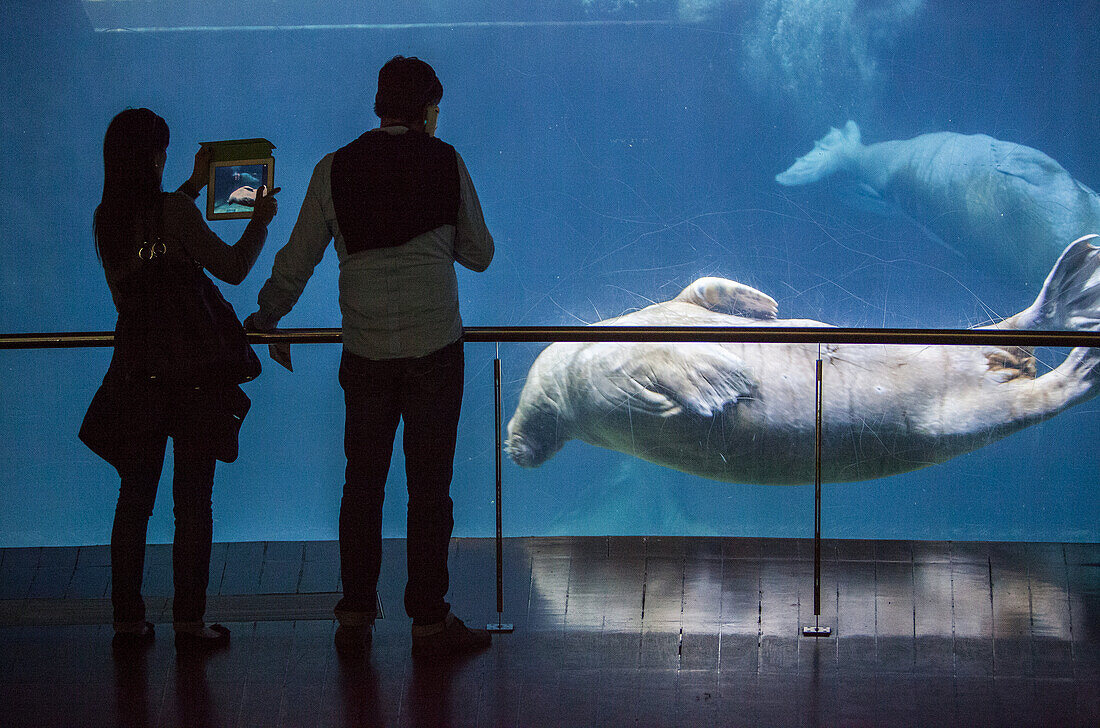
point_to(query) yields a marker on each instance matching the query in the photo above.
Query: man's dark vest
(389, 188)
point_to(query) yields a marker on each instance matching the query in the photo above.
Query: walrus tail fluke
(1070, 298)
(830, 154)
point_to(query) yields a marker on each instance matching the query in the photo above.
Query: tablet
(238, 167)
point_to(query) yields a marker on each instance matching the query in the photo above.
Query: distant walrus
(247, 178)
(745, 413)
(987, 199)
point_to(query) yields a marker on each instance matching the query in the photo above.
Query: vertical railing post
(817, 630)
(500, 626)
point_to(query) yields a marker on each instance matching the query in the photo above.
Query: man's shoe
(201, 641)
(132, 637)
(449, 637)
(353, 641)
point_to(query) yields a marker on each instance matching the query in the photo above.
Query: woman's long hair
(132, 196)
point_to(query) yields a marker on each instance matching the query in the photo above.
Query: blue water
(620, 150)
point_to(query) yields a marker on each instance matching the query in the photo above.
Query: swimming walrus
(1003, 203)
(744, 412)
(243, 196)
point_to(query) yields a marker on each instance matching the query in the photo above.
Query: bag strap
(152, 245)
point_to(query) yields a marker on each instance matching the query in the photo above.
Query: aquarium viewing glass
(883, 163)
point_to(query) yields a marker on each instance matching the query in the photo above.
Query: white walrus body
(988, 199)
(745, 412)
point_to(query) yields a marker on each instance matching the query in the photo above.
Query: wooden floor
(608, 632)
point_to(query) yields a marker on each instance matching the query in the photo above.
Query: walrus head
(538, 429)
(540, 425)
(535, 433)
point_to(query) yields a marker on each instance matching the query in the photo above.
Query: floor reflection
(980, 597)
(193, 704)
(131, 670)
(430, 699)
(358, 688)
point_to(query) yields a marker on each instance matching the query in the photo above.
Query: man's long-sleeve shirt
(395, 302)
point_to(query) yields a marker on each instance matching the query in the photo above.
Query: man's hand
(266, 205)
(253, 323)
(280, 353)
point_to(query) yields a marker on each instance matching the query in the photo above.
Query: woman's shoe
(132, 639)
(353, 641)
(207, 639)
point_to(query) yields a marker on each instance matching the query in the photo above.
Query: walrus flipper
(667, 380)
(1030, 165)
(1070, 298)
(725, 296)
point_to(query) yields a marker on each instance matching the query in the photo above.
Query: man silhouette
(402, 210)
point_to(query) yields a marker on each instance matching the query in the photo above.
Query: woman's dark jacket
(129, 414)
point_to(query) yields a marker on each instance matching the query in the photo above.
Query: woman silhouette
(132, 417)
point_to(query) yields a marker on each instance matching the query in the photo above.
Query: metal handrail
(648, 334)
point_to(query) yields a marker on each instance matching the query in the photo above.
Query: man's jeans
(426, 393)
